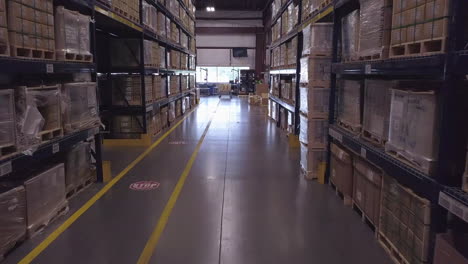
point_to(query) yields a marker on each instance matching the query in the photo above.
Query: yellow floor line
(162, 222)
(44, 244)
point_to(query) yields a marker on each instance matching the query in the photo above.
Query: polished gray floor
(243, 202)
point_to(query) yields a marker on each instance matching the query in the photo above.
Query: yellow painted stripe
(44, 244)
(162, 222)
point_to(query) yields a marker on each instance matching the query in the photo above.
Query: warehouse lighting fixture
(210, 9)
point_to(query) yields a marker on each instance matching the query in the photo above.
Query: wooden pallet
(38, 228)
(365, 219)
(8, 150)
(50, 134)
(373, 138)
(347, 200)
(391, 250)
(419, 48)
(419, 163)
(29, 53)
(81, 187)
(353, 128)
(12, 245)
(68, 56)
(377, 56)
(325, 4)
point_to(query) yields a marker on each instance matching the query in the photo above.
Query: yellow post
(106, 171)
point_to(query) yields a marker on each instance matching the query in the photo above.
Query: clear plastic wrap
(315, 71)
(350, 36)
(398, 108)
(172, 111)
(291, 47)
(37, 113)
(45, 197)
(313, 132)
(77, 166)
(161, 24)
(341, 170)
(79, 106)
(12, 217)
(7, 119)
(314, 103)
(321, 35)
(84, 35)
(306, 41)
(349, 104)
(375, 25)
(66, 31)
(162, 57)
(147, 15)
(313, 162)
(377, 99)
(292, 18)
(168, 28)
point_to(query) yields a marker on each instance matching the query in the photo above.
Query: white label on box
(55, 148)
(368, 69)
(363, 152)
(49, 68)
(6, 169)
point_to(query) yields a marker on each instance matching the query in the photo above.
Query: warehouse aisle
(243, 202)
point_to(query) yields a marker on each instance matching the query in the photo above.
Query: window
(218, 74)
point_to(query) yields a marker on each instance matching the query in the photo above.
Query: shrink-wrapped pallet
(374, 30)
(350, 36)
(315, 71)
(13, 218)
(79, 106)
(38, 115)
(161, 25)
(164, 117)
(174, 82)
(313, 132)
(414, 125)
(45, 198)
(321, 39)
(377, 100)
(291, 48)
(7, 120)
(172, 111)
(341, 170)
(313, 162)
(349, 104)
(150, 16)
(306, 41)
(77, 166)
(314, 102)
(72, 35)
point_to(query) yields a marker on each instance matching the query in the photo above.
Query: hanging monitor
(239, 52)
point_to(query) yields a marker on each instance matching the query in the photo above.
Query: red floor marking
(144, 186)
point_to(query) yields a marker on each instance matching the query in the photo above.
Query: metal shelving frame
(18, 70)
(443, 188)
(293, 70)
(116, 25)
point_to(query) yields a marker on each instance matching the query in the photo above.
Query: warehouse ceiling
(251, 5)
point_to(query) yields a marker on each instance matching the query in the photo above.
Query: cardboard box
(12, 217)
(377, 101)
(314, 103)
(368, 182)
(313, 132)
(313, 162)
(341, 170)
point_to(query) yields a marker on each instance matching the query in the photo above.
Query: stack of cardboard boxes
(314, 98)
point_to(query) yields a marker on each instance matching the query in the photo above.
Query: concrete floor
(243, 202)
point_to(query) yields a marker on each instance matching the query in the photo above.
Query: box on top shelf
(377, 99)
(12, 217)
(314, 103)
(367, 189)
(314, 132)
(7, 122)
(350, 36)
(293, 15)
(79, 106)
(129, 9)
(419, 28)
(77, 166)
(374, 29)
(38, 115)
(313, 162)
(317, 40)
(341, 170)
(349, 105)
(405, 221)
(315, 71)
(31, 29)
(414, 123)
(150, 17)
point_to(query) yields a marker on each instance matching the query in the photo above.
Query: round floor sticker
(144, 185)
